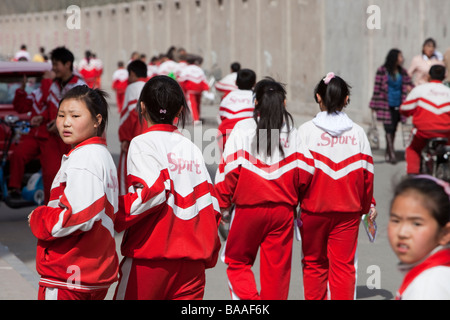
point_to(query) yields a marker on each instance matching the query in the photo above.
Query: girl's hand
(373, 214)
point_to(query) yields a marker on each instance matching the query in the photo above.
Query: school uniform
(429, 107)
(236, 106)
(227, 84)
(427, 279)
(76, 250)
(54, 148)
(31, 143)
(193, 81)
(170, 216)
(129, 126)
(265, 192)
(340, 192)
(45, 102)
(119, 84)
(87, 69)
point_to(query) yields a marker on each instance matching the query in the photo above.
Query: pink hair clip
(444, 184)
(163, 111)
(328, 78)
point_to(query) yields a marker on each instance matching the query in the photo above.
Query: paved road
(376, 261)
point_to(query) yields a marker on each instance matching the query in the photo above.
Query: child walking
(76, 253)
(170, 214)
(340, 192)
(419, 234)
(129, 124)
(237, 105)
(263, 172)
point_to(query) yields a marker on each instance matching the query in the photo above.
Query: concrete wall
(294, 41)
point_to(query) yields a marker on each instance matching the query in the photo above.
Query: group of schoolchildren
(273, 179)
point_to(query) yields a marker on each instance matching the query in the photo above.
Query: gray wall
(295, 41)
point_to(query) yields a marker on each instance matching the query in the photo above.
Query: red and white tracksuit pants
(418, 142)
(329, 244)
(46, 293)
(268, 228)
(160, 280)
(194, 99)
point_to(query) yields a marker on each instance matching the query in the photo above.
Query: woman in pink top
(421, 64)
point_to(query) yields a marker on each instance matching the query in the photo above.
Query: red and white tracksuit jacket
(129, 127)
(119, 84)
(193, 81)
(76, 247)
(266, 192)
(91, 70)
(340, 192)
(170, 212)
(429, 279)
(31, 143)
(52, 147)
(167, 68)
(236, 106)
(227, 84)
(429, 105)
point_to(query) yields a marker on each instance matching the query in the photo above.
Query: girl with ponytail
(263, 174)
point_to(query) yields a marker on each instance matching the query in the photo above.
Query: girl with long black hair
(263, 172)
(392, 85)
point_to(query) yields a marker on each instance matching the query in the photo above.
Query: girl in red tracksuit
(193, 81)
(264, 172)
(236, 106)
(76, 252)
(170, 214)
(341, 191)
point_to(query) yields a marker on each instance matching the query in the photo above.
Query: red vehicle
(13, 125)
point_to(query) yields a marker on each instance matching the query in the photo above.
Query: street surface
(378, 277)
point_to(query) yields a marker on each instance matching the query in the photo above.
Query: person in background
(193, 82)
(22, 54)
(421, 64)
(237, 105)
(129, 124)
(428, 105)
(392, 85)
(228, 83)
(119, 84)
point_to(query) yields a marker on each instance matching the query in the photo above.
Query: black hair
(429, 41)
(437, 72)
(235, 66)
(435, 199)
(95, 100)
(333, 94)
(171, 53)
(62, 54)
(139, 68)
(391, 62)
(246, 79)
(163, 98)
(270, 113)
